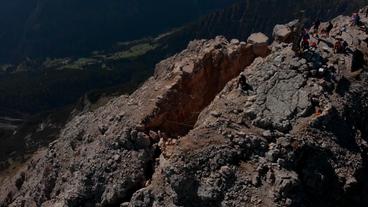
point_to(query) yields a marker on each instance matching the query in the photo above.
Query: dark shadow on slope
(319, 182)
(358, 61)
(344, 130)
(343, 86)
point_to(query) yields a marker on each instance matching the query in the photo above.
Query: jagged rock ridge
(106, 155)
(198, 134)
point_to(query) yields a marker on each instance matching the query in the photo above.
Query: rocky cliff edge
(223, 123)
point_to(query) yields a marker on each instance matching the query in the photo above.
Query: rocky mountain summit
(223, 123)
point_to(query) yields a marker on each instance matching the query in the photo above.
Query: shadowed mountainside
(57, 28)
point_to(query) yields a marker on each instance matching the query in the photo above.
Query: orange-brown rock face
(193, 78)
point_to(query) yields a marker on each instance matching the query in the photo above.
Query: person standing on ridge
(305, 39)
(242, 82)
(338, 46)
(316, 26)
(329, 28)
(298, 36)
(355, 19)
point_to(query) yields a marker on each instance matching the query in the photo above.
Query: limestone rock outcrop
(282, 33)
(260, 44)
(219, 124)
(103, 157)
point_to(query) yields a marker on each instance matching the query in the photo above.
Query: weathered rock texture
(103, 157)
(284, 132)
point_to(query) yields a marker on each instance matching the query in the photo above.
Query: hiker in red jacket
(305, 39)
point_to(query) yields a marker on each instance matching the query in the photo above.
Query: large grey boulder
(259, 42)
(282, 33)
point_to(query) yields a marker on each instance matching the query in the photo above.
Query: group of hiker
(309, 40)
(304, 43)
(326, 31)
(315, 31)
(340, 46)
